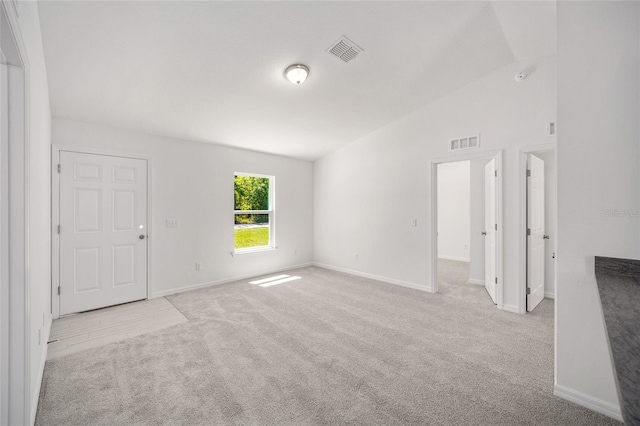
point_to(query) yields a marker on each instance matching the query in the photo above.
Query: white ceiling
(212, 71)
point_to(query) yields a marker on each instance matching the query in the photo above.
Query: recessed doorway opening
(466, 212)
(539, 225)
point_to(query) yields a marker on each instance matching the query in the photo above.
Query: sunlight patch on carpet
(278, 279)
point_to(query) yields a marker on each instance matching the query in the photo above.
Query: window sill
(253, 250)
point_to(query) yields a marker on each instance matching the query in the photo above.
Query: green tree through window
(251, 193)
(253, 211)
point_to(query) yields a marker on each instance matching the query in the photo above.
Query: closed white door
(535, 233)
(490, 280)
(103, 231)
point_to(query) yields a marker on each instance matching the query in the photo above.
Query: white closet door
(535, 239)
(490, 229)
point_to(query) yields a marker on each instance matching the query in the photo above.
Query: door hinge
(58, 168)
(496, 280)
(528, 232)
(58, 229)
(528, 290)
(495, 173)
(496, 226)
(58, 290)
(528, 173)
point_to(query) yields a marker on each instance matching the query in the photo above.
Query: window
(253, 212)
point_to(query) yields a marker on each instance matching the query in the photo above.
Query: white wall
(367, 193)
(39, 195)
(193, 182)
(598, 112)
(38, 280)
(454, 210)
(476, 239)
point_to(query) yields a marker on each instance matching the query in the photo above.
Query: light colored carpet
(322, 350)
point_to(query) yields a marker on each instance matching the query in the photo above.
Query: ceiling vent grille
(464, 143)
(345, 49)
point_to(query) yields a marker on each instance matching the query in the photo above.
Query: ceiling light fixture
(297, 73)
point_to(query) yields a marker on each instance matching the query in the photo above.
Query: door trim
(18, 401)
(522, 225)
(433, 173)
(55, 215)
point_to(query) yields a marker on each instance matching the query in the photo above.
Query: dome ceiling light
(297, 73)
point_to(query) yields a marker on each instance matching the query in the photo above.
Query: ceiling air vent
(464, 143)
(345, 49)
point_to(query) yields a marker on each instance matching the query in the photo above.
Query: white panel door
(490, 229)
(103, 231)
(536, 237)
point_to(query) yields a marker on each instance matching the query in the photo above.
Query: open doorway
(16, 337)
(539, 232)
(466, 227)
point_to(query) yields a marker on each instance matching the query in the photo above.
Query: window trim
(271, 212)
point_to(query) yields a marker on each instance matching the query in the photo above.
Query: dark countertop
(619, 287)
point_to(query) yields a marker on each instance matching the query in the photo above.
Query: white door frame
(522, 226)
(55, 216)
(497, 155)
(15, 362)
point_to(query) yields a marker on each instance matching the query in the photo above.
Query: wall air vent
(464, 143)
(345, 49)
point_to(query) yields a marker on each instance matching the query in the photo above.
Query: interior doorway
(539, 230)
(100, 245)
(16, 334)
(466, 225)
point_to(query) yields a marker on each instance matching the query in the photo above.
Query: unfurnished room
(319, 212)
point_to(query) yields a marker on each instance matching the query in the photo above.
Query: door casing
(497, 155)
(536, 233)
(522, 225)
(55, 216)
(18, 400)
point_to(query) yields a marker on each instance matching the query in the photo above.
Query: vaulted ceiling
(213, 71)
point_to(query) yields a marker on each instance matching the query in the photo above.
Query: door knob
(484, 233)
(141, 236)
(545, 237)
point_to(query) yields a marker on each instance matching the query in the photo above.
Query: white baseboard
(164, 293)
(510, 308)
(376, 277)
(36, 392)
(549, 295)
(588, 401)
(459, 259)
(475, 281)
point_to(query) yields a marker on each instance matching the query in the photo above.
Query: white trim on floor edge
(36, 393)
(476, 282)
(164, 293)
(587, 401)
(511, 308)
(459, 259)
(375, 277)
(549, 295)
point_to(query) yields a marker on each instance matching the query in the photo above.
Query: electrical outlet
(198, 266)
(173, 223)
(414, 222)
